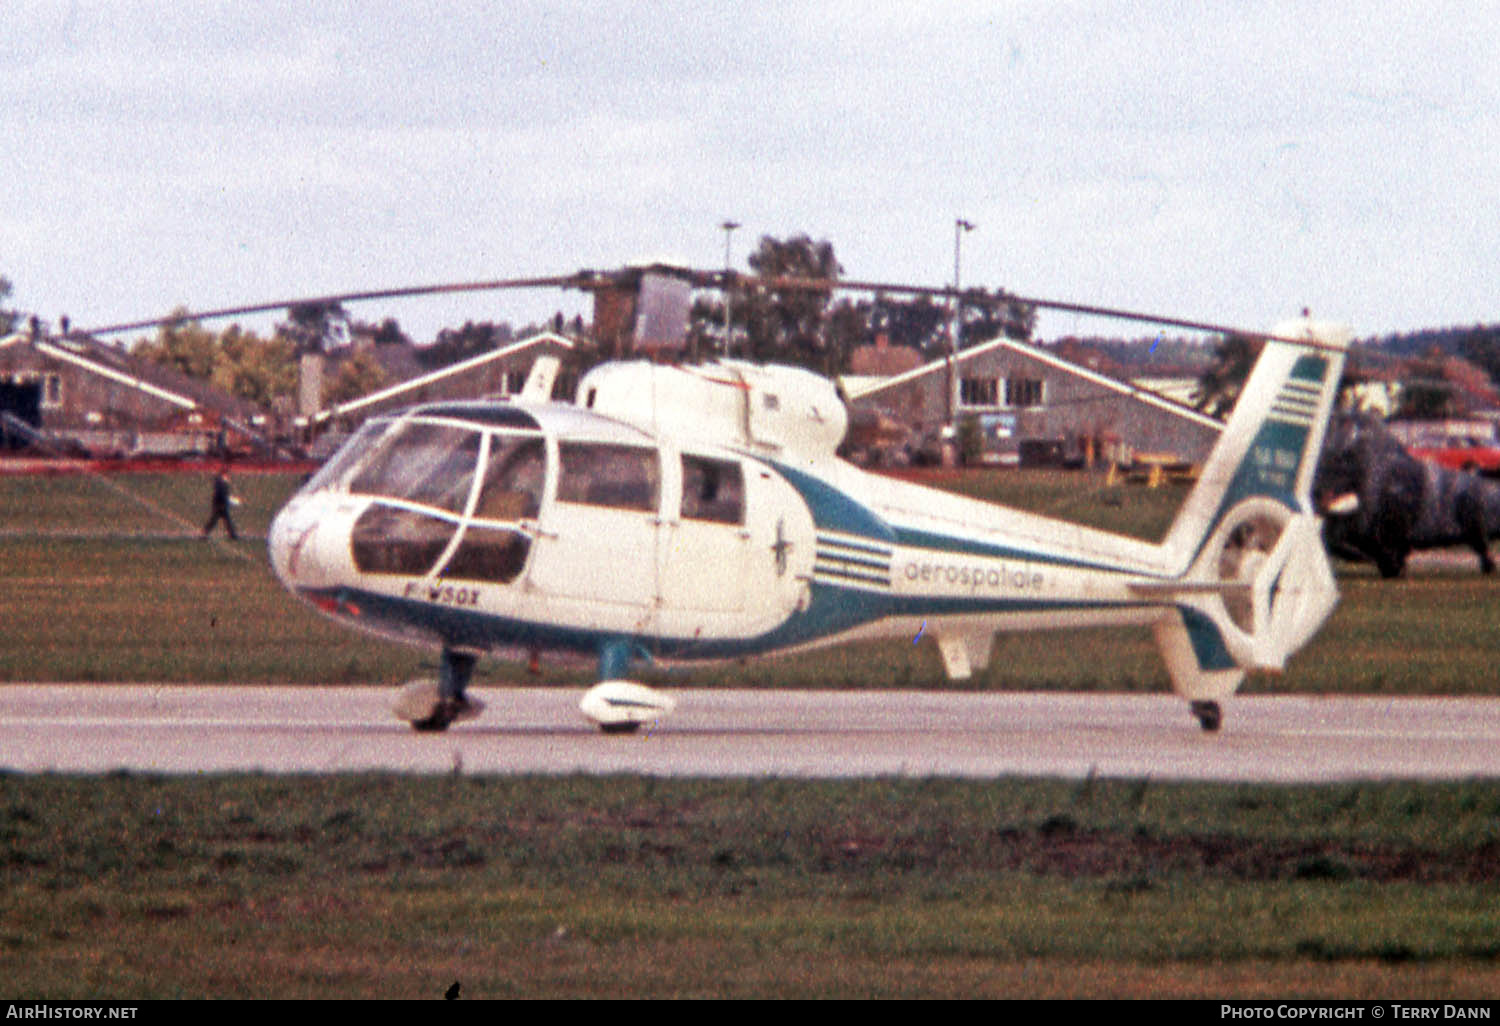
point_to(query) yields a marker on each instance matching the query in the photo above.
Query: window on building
(52, 390)
(1023, 392)
(979, 392)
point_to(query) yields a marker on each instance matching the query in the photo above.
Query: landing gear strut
(433, 705)
(1210, 716)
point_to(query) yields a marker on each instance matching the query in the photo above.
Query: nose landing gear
(433, 705)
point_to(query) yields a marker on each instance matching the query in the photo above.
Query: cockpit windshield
(422, 475)
(347, 456)
(431, 464)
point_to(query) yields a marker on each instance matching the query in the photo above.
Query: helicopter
(685, 513)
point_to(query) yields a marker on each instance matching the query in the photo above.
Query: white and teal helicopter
(682, 513)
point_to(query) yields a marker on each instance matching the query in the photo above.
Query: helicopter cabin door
(704, 547)
(598, 539)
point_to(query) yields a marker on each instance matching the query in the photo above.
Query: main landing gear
(618, 706)
(1210, 716)
(615, 706)
(432, 705)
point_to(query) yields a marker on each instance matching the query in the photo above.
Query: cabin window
(428, 463)
(489, 554)
(979, 392)
(513, 479)
(712, 490)
(599, 474)
(387, 540)
(1023, 391)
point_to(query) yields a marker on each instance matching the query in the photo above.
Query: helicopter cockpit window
(348, 455)
(600, 474)
(513, 478)
(712, 490)
(489, 554)
(432, 464)
(389, 540)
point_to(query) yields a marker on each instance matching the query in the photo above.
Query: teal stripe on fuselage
(833, 510)
(919, 538)
(832, 611)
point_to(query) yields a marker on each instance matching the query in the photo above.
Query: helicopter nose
(293, 545)
(286, 527)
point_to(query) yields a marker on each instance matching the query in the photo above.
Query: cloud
(1229, 161)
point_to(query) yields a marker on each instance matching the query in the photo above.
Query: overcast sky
(1224, 161)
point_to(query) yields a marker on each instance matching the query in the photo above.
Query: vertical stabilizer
(1251, 581)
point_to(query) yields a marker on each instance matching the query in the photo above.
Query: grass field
(383, 886)
(108, 581)
(256, 886)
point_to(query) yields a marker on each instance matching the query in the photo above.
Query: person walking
(223, 498)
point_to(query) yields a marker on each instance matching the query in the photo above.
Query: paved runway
(202, 729)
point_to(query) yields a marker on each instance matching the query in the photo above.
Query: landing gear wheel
(432, 706)
(1210, 716)
(442, 717)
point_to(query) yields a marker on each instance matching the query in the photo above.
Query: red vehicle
(1470, 446)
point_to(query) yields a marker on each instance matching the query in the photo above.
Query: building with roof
(89, 397)
(499, 372)
(1019, 403)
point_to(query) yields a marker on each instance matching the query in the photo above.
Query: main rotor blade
(720, 279)
(983, 298)
(579, 279)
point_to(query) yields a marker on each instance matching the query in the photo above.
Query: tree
(315, 327)
(357, 376)
(184, 345)
(256, 369)
(236, 361)
(786, 324)
(387, 333)
(1426, 392)
(1219, 385)
(1481, 345)
(924, 324)
(992, 317)
(8, 318)
(918, 323)
(455, 344)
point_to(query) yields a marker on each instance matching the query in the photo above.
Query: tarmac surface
(182, 729)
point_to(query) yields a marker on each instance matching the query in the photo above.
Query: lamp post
(955, 322)
(729, 227)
